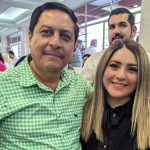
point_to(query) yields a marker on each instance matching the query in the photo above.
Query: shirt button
(105, 146)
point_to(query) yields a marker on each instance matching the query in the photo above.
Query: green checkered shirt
(34, 117)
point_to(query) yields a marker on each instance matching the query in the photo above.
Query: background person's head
(79, 44)
(6, 57)
(121, 25)
(53, 32)
(93, 42)
(11, 54)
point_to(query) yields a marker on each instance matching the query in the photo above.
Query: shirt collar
(127, 107)
(120, 113)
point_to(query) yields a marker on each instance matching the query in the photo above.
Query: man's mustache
(55, 53)
(117, 36)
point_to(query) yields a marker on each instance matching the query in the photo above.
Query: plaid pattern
(34, 117)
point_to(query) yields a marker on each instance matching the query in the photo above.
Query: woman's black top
(116, 130)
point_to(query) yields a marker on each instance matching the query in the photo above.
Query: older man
(40, 101)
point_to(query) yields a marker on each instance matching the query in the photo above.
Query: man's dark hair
(50, 6)
(118, 11)
(19, 61)
(11, 52)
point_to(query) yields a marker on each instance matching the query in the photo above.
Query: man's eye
(111, 27)
(123, 25)
(66, 37)
(46, 32)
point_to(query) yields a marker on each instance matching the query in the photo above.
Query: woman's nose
(121, 74)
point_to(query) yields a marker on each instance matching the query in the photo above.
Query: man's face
(79, 46)
(52, 41)
(120, 28)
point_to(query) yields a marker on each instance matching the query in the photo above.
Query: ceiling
(101, 8)
(15, 14)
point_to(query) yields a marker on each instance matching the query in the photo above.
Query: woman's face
(120, 76)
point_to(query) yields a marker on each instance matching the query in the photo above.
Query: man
(12, 57)
(76, 59)
(121, 26)
(92, 48)
(40, 101)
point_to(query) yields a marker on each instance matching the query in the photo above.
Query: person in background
(76, 59)
(137, 39)
(117, 113)
(41, 102)
(7, 60)
(85, 57)
(120, 26)
(12, 57)
(92, 49)
(2, 64)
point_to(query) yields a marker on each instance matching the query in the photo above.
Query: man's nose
(117, 30)
(55, 41)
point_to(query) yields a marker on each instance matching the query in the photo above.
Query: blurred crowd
(7, 60)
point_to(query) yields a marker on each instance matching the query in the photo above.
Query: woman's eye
(133, 69)
(114, 65)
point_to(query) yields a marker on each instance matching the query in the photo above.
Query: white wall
(145, 25)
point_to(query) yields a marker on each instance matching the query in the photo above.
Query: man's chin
(115, 40)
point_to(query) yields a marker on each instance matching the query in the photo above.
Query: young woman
(2, 64)
(117, 113)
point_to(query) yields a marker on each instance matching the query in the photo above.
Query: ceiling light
(12, 13)
(135, 6)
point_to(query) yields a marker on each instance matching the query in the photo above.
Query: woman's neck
(115, 102)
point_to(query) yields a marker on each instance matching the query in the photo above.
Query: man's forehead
(46, 20)
(114, 19)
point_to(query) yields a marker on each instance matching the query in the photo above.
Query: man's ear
(29, 38)
(134, 30)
